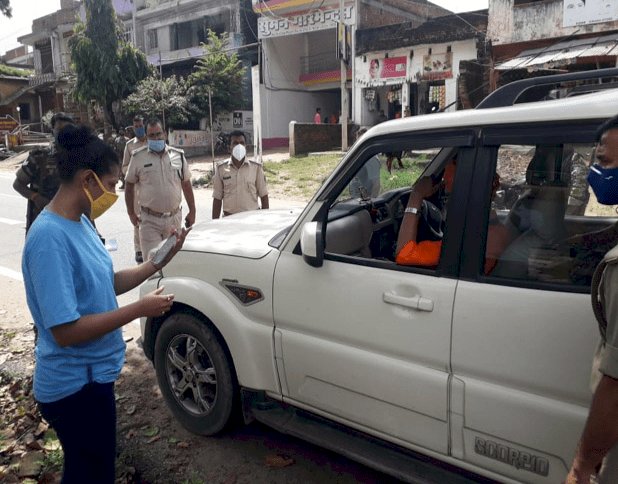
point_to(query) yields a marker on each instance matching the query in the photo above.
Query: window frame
(465, 139)
(475, 237)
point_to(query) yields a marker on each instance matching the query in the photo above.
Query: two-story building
(299, 65)
(52, 61)
(171, 33)
(535, 37)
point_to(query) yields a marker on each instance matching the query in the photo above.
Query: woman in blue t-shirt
(71, 290)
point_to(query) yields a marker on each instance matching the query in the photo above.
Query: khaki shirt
(159, 178)
(605, 305)
(132, 145)
(239, 188)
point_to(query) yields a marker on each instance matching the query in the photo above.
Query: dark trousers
(85, 423)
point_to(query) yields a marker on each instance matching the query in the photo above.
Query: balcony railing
(312, 64)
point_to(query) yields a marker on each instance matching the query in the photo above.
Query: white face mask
(239, 152)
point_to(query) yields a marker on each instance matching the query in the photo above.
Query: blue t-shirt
(69, 274)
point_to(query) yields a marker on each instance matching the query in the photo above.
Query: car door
(523, 331)
(363, 340)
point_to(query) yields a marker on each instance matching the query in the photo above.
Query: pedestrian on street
(317, 117)
(238, 182)
(597, 452)
(37, 178)
(161, 175)
(131, 146)
(120, 142)
(71, 290)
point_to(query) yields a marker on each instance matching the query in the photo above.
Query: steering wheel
(431, 223)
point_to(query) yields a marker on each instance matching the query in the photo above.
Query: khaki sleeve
(608, 354)
(126, 158)
(186, 171)
(260, 182)
(132, 175)
(217, 185)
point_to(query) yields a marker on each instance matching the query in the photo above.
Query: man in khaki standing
(162, 176)
(597, 452)
(238, 182)
(139, 141)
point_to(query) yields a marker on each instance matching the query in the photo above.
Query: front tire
(195, 374)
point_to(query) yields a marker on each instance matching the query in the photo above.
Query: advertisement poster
(388, 68)
(584, 12)
(437, 66)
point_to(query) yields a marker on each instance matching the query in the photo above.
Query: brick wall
(398, 11)
(308, 138)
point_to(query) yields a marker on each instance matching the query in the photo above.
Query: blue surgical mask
(140, 132)
(604, 184)
(156, 145)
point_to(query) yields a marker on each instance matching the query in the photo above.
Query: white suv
(443, 373)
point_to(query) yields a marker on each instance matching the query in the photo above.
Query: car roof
(597, 105)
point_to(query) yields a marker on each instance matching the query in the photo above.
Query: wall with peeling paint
(532, 21)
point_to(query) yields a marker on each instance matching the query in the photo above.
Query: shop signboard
(7, 124)
(270, 26)
(585, 12)
(379, 71)
(437, 67)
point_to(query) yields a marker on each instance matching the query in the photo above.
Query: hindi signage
(269, 26)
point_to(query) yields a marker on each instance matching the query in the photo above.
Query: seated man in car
(426, 253)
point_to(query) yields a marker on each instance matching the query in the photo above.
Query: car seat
(350, 235)
(537, 217)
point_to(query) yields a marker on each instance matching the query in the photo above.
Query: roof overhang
(562, 53)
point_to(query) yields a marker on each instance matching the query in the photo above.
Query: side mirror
(312, 244)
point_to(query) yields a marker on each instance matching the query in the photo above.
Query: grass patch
(307, 174)
(401, 177)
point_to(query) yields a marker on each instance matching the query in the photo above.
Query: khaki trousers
(153, 230)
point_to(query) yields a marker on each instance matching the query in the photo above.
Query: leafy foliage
(219, 72)
(5, 8)
(154, 96)
(14, 71)
(107, 68)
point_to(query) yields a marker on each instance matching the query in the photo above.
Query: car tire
(195, 374)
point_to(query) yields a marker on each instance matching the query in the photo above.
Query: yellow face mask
(99, 206)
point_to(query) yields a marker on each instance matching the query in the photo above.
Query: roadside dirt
(152, 446)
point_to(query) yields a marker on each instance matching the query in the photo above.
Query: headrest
(546, 168)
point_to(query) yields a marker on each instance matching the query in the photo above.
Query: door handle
(415, 302)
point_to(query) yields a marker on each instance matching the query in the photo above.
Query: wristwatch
(412, 210)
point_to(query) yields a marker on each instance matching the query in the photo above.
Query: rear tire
(195, 374)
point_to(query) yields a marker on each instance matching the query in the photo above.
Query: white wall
(534, 21)
(462, 50)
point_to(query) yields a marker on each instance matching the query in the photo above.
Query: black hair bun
(71, 137)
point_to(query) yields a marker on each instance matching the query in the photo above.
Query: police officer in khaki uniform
(238, 182)
(162, 176)
(597, 451)
(37, 178)
(131, 146)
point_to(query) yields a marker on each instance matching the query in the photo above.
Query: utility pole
(212, 135)
(343, 119)
(161, 78)
(134, 36)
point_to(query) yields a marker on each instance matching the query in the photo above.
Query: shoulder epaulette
(139, 150)
(179, 150)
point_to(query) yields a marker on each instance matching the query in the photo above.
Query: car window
(366, 217)
(544, 224)
(384, 172)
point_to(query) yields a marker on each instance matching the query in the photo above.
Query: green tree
(107, 68)
(5, 8)
(161, 98)
(219, 72)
